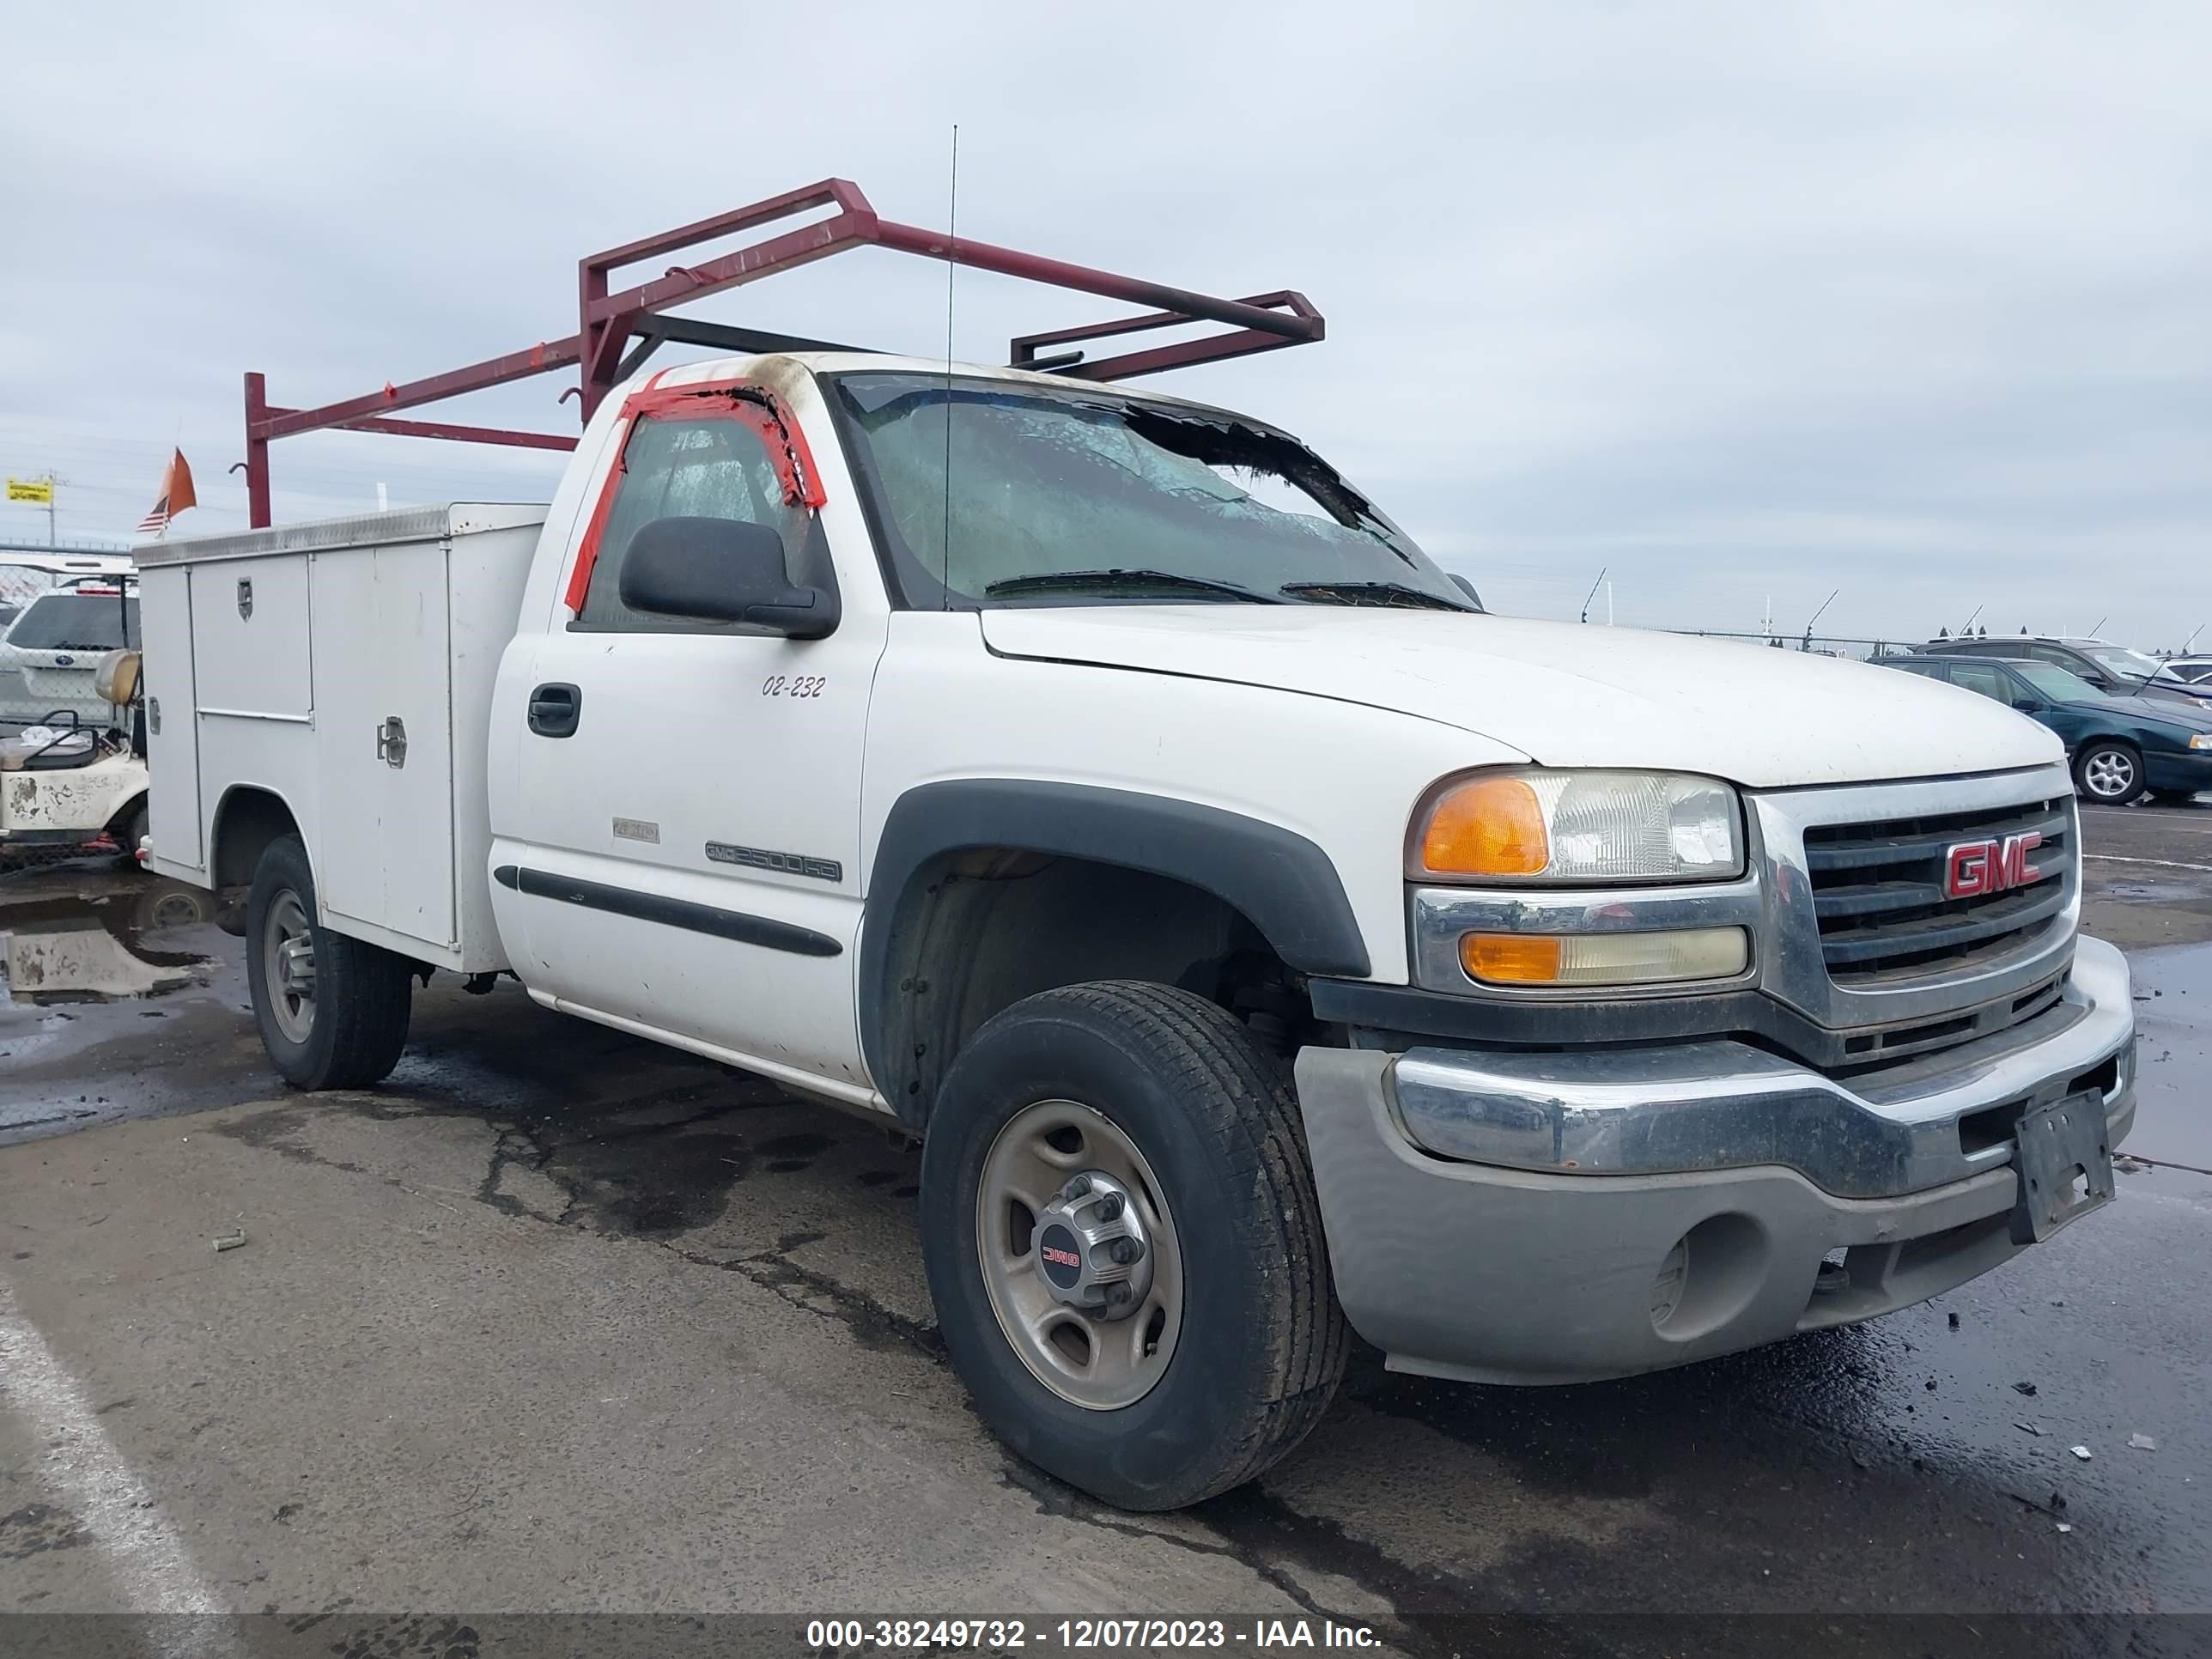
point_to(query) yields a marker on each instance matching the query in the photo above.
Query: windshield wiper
(1377, 594)
(1082, 581)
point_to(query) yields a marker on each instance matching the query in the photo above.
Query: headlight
(1529, 826)
(2200, 740)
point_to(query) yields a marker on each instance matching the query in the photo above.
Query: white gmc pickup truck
(1268, 943)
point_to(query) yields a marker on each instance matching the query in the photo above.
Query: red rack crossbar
(617, 330)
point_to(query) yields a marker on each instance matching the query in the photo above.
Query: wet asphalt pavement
(563, 1321)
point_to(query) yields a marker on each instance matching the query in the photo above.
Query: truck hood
(1560, 694)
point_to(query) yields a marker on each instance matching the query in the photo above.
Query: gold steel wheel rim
(1097, 1363)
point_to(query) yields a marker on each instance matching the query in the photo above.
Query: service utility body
(1265, 939)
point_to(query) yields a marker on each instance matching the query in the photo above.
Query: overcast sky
(1738, 301)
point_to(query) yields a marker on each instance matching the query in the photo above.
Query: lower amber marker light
(1686, 953)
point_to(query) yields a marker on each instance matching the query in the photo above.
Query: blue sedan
(2119, 746)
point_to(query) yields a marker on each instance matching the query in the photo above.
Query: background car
(2110, 670)
(2194, 671)
(23, 577)
(2119, 746)
(50, 653)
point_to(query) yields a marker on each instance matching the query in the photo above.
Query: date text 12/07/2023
(842, 1635)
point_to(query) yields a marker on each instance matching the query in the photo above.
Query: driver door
(692, 789)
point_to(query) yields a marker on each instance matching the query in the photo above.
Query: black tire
(1262, 1340)
(357, 1019)
(129, 830)
(2106, 758)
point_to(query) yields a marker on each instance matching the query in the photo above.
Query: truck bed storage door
(172, 745)
(251, 670)
(250, 623)
(383, 737)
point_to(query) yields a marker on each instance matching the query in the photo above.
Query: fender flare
(1283, 884)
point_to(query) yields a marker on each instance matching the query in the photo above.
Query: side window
(1987, 678)
(711, 466)
(2060, 658)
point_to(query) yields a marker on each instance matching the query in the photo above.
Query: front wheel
(2108, 772)
(1124, 1244)
(333, 1011)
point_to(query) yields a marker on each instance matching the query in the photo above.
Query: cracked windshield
(1084, 499)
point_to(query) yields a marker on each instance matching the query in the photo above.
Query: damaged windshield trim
(900, 566)
(1163, 582)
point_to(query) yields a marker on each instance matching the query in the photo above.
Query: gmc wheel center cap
(1060, 1257)
(1090, 1248)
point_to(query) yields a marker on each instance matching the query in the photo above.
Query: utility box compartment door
(250, 631)
(173, 726)
(383, 737)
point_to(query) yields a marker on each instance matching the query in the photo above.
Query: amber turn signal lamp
(1685, 954)
(1511, 958)
(1486, 827)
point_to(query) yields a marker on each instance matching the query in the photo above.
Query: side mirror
(2027, 705)
(2098, 681)
(722, 570)
(1468, 588)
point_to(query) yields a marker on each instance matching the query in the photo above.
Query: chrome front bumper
(1523, 1218)
(1726, 1105)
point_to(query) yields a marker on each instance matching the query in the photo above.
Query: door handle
(555, 709)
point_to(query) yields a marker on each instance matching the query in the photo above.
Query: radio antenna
(951, 270)
(1815, 616)
(1592, 594)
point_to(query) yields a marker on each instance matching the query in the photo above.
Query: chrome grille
(1878, 892)
(1885, 1045)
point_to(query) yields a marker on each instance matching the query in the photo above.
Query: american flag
(176, 495)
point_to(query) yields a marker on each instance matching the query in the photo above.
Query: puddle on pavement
(2147, 892)
(2174, 1013)
(65, 946)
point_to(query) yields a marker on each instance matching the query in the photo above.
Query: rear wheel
(332, 1011)
(1124, 1245)
(2108, 772)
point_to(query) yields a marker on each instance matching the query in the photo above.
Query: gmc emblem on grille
(1975, 869)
